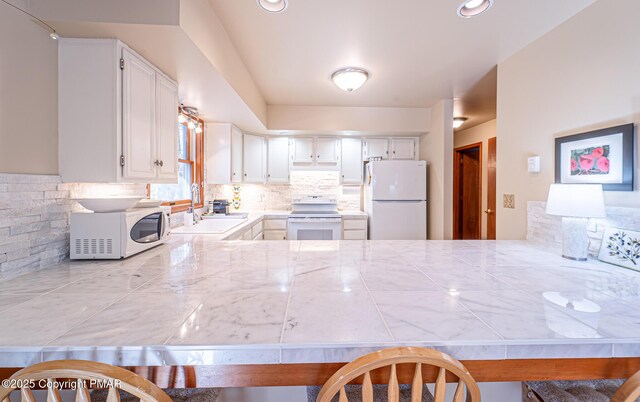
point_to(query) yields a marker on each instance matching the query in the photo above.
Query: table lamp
(575, 203)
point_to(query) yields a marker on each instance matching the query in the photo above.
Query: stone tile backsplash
(259, 197)
(547, 229)
(35, 210)
(34, 217)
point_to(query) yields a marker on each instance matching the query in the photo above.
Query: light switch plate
(509, 201)
(533, 164)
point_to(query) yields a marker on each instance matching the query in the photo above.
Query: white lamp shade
(576, 200)
(350, 79)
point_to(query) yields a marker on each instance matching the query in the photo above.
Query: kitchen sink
(232, 215)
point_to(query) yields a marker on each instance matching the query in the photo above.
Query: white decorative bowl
(146, 203)
(113, 204)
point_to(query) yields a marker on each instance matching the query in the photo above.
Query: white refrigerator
(396, 200)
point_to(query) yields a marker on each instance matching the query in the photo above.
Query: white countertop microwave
(116, 235)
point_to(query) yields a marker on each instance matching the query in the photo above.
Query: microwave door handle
(161, 226)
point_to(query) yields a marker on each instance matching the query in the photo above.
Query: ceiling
(417, 51)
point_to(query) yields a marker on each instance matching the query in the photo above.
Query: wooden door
(491, 189)
(467, 219)
(139, 118)
(278, 160)
(167, 129)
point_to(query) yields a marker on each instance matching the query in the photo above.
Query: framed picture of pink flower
(597, 157)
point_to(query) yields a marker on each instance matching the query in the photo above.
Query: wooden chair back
(364, 365)
(83, 373)
(629, 391)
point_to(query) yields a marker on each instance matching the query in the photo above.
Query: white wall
(480, 133)
(28, 94)
(436, 148)
(583, 75)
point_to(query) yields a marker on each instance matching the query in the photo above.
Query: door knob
(488, 211)
(161, 163)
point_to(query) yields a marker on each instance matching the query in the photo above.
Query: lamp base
(575, 241)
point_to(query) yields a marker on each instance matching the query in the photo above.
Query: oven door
(315, 229)
(146, 229)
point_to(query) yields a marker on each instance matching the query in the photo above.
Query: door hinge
(121, 64)
(121, 160)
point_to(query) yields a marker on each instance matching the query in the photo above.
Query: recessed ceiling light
(458, 121)
(349, 79)
(471, 8)
(273, 6)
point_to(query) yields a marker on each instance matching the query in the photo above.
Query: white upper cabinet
(327, 151)
(302, 151)
(166, 126)
(236, 155)
(222, 154)
(278, 160)
(117, 115)
(376, 147)
(403, 148)
(351, 161)
(254, 162)
(139, 100)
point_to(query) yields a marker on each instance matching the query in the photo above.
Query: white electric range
(315, 217)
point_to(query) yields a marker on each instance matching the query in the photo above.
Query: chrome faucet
(195, 199)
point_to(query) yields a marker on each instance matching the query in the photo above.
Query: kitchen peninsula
(290, 312)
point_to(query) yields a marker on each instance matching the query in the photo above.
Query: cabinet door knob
(488, 212)
(161, 163)
(245, 175)
(156, 162)
(318, 156)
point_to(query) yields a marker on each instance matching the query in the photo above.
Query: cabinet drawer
(355, 235)
(355, 224)
(247, 235)
(275, 224)
(275, 235)
(256, 229)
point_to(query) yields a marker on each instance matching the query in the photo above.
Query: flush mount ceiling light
(471, 8)
(349, 79)
(458, 121)
(273, 6)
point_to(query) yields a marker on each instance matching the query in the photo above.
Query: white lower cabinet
(275, 229)
(354, 229)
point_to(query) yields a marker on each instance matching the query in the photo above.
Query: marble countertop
(197, 301)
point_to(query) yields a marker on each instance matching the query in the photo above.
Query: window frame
(197, 167)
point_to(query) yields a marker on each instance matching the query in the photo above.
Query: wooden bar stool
(421, 358)
(82, 373)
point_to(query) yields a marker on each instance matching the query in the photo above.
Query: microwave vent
(93, 247)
